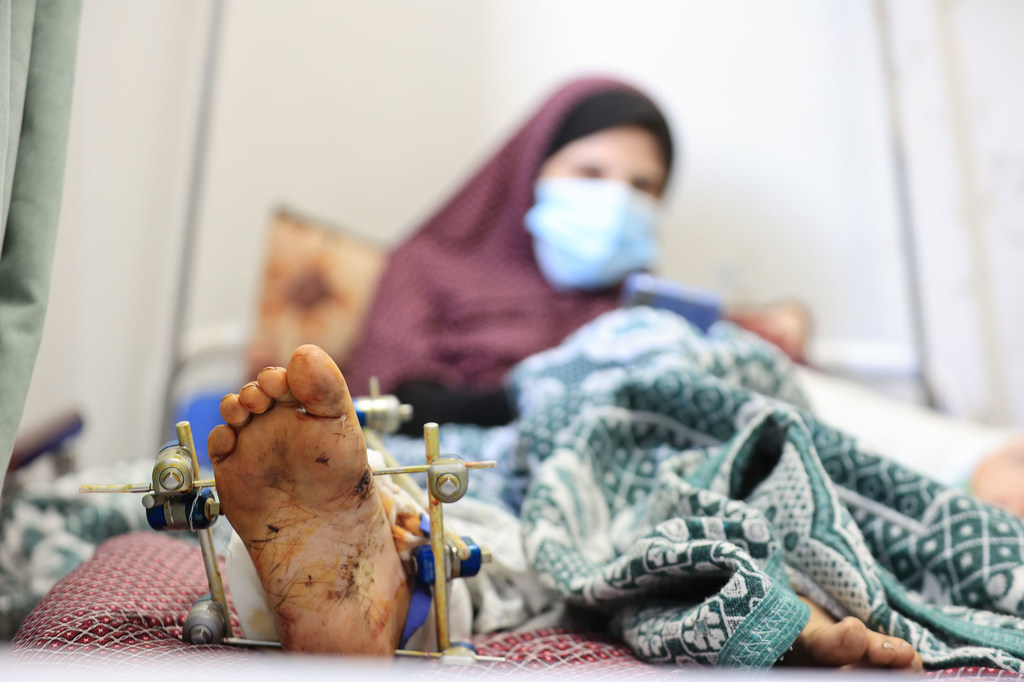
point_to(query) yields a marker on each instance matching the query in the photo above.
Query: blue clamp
(191, 505)
(471, 566)
(419, 604)
(423, 558)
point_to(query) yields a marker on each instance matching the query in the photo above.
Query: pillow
(129, 601)
(317, 288)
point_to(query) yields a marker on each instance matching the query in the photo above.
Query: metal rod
(906, 214)
(115, 488)
(192, 203)
(213, 576)
(462, 550)
(185, 440)
(420, 468)
(241, 641)
(437, 546)
(392, 471)
(405, 482)
(440, 654)
(418, 654)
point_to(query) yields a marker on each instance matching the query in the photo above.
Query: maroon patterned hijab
(462, 300)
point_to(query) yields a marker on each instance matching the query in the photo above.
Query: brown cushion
(318, 284)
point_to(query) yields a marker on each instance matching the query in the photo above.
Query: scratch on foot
(363, 486)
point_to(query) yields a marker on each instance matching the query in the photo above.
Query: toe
(233, 412)
(890, 652)
(317, 383)
(254, 399)
(883, 652)
(220, 442)
(906, 656)
(274, 382)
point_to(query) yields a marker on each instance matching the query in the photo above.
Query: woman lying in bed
(678, 483)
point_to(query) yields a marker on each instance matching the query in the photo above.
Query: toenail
(888, 645)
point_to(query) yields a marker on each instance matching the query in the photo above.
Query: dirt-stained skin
(295, 484)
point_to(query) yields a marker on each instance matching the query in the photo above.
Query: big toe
(316, 382)
(892, 652)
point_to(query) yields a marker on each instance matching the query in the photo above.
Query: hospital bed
(127, 603)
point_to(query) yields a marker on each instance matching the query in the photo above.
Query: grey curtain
(38, 40)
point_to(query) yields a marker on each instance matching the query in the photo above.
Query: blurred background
(863, 157)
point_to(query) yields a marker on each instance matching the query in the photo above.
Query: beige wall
(367, 113)
(370, 117)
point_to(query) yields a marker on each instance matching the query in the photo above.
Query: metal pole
(206, 544)
(437, 545)
(193, 202)
(906, 214)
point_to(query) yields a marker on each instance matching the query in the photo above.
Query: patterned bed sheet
(123, 609)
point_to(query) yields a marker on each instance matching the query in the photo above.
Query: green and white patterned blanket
(679, 485)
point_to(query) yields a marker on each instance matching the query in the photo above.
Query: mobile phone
(700, 306)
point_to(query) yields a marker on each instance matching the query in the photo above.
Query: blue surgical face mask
(589, 233)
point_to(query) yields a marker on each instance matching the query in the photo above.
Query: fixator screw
(171, 479)
(447, 484)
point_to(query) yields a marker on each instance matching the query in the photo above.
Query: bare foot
(999, 478)
(293, 480)
(848, 643)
